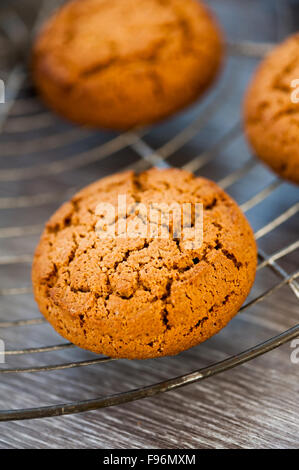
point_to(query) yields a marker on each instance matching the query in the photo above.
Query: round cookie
(272, 113)
(123, 63)
(139, 297)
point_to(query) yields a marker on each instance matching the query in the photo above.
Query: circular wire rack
(22, 112)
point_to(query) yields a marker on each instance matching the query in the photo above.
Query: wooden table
(252, 406)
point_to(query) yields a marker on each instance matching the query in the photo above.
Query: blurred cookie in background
(119, 64)
(272, 110)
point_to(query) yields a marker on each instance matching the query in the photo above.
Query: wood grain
(252, 406)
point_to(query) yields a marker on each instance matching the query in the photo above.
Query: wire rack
(25, 125)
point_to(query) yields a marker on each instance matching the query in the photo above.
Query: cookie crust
(271, 118)
(123, 63)
(143, 298)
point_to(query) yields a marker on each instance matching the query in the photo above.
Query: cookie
(272, 110)
(119, 64)
(138, 297)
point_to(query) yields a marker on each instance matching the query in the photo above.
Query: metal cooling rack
(22, 114)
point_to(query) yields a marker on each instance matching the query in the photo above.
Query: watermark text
(295, 353)
(2, 352)
(151, 220)
(2, 92)
(295, 93)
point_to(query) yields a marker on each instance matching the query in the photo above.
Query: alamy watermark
(152, 220)
(295, 353)
(295, 93)
(2, 352)
(2, 91)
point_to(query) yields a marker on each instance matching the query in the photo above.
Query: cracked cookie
(143, 297)
(271, 115)
(123, 63)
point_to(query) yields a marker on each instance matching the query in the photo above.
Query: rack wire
(23, 114)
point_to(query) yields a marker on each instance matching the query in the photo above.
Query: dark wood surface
(252, 406)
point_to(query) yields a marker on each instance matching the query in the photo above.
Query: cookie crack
(232, 258)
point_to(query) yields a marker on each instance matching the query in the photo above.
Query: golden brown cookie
(124, 63)
(271, 110)
(143, 297)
